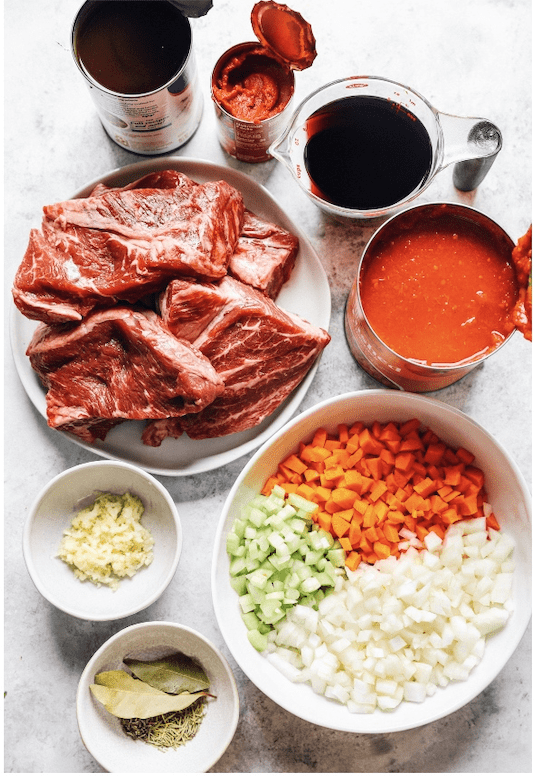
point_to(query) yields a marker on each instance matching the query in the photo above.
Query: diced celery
(258, 640)
(251, 621)
(259, 577)
(246, 602)
(336, 556)
(237, 566)
(298, 525)
(299, 502)
(278, 491)
(279, 558)
(239, 584)
(233, 543)
(256, 594)
(256, 517)
(310, 584)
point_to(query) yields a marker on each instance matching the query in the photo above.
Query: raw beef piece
(115, 365)
(126, 243)
(264, 256)
(261, 352)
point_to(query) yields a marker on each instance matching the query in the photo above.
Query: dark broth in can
(133, 47)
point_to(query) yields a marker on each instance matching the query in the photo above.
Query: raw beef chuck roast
(156, 303)
(261, 352)
(123, 244)
(264, 256)
(118, 364)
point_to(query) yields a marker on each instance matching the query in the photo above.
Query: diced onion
(398, 630)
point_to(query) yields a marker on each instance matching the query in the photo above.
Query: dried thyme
(170, 730)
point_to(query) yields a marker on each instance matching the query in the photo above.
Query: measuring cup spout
(280, 150)
(471, 144)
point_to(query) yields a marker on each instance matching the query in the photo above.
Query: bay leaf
(127, 697)
(174, 673)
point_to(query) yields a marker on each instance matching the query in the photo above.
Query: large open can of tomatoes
(433, 297)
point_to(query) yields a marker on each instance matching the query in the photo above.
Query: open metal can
(383, 360)
(148, 102)
(253, 83)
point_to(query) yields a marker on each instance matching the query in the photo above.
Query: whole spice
(164, 702)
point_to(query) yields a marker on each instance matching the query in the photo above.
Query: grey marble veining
(466, 58)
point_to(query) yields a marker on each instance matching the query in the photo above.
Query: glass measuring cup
(397, 115)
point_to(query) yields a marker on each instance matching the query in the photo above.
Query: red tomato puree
(439, 294)
(252, 85)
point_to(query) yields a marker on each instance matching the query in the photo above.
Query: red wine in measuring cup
(366, 153)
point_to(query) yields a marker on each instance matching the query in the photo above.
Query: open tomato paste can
(433, 298)
(253, 83)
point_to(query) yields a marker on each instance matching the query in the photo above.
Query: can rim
(135, 95)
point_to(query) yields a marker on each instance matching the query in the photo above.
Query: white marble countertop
(466, 58)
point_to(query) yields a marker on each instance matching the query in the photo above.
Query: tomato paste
(440, 292)
(252, 85)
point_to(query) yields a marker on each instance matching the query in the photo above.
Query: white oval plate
(507, 493)
(307, 294)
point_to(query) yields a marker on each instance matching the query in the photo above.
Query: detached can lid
(285, 33)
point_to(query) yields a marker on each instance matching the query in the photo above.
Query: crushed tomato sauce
(440, 293)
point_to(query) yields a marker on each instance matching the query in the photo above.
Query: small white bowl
(52, 512)
(101, 732)
(507, 493)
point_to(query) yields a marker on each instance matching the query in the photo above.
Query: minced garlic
(106, 541)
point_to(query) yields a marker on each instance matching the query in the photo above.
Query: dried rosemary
(168, 730)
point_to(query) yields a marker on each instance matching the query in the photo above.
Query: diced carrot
(369, 444)
(404, 461)
(375, 467)
(323, 494)
(344, 497)
(371, 534)
(492, 522)
(324, 520)
(434, 452)
(370, 481)
(343, 433)
(340, 526)
(295, 464)
(306, 491)
(334, 474)
(319, 438)
(390, 532)
(346, 543)
(409, 426)
(377, 490)
(382, 550)
(355, 533)
(425, 487)
(353, 560)
(464, 455)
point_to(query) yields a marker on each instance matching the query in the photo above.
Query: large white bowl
(507, 493)
(51, 513)
(101, 732)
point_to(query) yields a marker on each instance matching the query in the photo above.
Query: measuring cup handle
(472, 144)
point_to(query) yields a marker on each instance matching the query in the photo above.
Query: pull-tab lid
(193, 8)
(285, 33)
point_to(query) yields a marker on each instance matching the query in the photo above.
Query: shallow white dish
(307, 294)
(507, 493)
(51, 513)
(101, 732)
